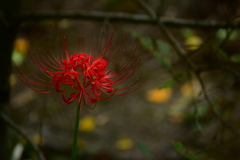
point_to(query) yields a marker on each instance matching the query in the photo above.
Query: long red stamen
(92, 77)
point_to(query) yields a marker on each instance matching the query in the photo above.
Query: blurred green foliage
(184, 151)
(143, 148)
(159, 48)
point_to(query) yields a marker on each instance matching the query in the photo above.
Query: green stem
(75, 138)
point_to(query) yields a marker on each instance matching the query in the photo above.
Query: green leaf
(161, 51)
(223, 33)
(180, 75)
(146, 42)
(164, 60)
(183, 151)
(135, 34)
(187, 32)
(17, 57)
(132, 33)
(163, 47)
(142, 148)
(223, 54)
(179, 147)
(168, 84)
(235, 58)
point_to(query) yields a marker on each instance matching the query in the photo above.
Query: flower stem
(75, 138)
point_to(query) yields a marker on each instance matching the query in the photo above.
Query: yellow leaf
(186, 90)
(193, 42)
(159, 95)
(176, 118)
(190, 89)
(21, 45)
(87, 124)
(177, 110)
(124, 144)
(80, 143)
(12, 79)
(37, 139)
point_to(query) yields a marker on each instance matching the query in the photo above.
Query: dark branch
(19, 131)
(182, 54)
(127, 18)
(218, 67)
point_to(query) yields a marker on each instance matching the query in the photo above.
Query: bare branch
(127, 18)
(218, 67)
(19, 131)
(147, 8)
(183, 55)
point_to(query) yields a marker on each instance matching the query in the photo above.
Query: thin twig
(215, 111)
(19, 131)
(218, 67)
(183, 55)
(206, 149)
(125, 17)
(178, 48)
(147, 8)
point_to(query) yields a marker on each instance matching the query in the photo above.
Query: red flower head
(85, 77)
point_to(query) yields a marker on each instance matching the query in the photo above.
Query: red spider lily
(85, 77)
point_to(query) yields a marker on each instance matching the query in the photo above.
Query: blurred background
(186, 108)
